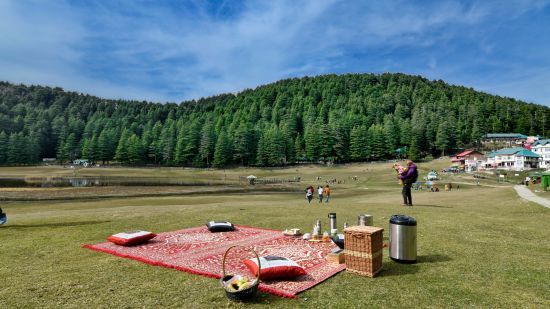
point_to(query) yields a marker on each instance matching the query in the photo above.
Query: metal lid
(403, 220)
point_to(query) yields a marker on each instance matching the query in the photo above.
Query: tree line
(337, 118)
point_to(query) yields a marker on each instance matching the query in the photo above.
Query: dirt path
(530, 196)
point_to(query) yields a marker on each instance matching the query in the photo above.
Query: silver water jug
(332, 221)
(403, 239)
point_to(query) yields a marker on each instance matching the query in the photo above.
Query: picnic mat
(198, 251)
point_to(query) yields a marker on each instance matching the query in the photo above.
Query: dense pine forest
(330, 118)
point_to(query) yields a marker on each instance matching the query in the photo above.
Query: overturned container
(402, 245)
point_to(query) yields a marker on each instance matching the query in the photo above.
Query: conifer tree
(122, 149)
(134, 150)
(313, 142)
(223, 150)
(207, 143)
(243, 143)
(358, 143)
(15, 148)
(262, 155)
(3, 148)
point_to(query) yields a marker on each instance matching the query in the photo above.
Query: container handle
(250, 249)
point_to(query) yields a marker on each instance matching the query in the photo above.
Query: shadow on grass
(396, 269)
(433, 258)
(262, 298)
(61, 224)
(435, 206)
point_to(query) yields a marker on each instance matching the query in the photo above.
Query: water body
(47, 182)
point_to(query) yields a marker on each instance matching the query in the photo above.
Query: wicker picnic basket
(244, 294)
(363, 250)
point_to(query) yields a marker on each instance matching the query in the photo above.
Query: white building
(514, 159)
(542, 148)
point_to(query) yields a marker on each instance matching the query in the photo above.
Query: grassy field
(480, 246)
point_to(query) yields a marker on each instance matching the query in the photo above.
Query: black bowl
(338, 241)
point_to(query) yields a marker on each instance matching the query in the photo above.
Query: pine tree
(167, 141)
(122, 149)
(207, 143)
(223, 150)
(391, 135)
(299, 148)
(62, 154)
(154, 149)
(275, 147)
(105, 146)
(443, 138)
(192, 143)
(15, 148)
(358, 143)
(4, 141)
(376, 143)
(313, 142)
(71, 147)
(262, 155)
(180, 146)
(85, 150)
(244, 143)
(134, 150)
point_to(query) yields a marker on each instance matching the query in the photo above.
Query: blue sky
(170, 51)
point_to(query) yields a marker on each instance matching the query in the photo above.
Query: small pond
(46, 182)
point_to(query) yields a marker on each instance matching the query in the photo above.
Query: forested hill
(343, 118)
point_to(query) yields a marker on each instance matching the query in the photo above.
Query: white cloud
(150, 51)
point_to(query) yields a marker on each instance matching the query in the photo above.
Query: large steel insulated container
(403, 239)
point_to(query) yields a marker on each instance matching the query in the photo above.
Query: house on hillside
(499, 140)
(531, 140)
(469, 160)
(542, 148)
(513, 159)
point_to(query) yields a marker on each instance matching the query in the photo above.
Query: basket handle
(358, 235)
(256, 254)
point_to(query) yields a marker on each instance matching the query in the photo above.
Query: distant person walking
(326, 193)
(3, 217)
(408, 178)
(320, 193)
(309, 194)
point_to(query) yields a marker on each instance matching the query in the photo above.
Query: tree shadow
(60, 224)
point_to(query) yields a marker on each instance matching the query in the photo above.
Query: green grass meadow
(480, 246)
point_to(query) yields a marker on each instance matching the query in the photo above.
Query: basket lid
(364, 229)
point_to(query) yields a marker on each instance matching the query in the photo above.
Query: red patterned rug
(198, 251)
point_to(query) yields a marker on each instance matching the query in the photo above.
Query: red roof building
(468, 159)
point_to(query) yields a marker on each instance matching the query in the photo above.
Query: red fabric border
(187, 270)
(262, 288)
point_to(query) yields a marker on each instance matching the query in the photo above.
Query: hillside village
(505, 151)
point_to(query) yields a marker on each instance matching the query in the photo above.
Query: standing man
(409, 178)
(326, 192)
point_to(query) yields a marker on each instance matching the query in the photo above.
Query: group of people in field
(322, 193)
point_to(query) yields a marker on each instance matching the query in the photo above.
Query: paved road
(525, 193)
